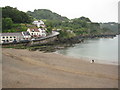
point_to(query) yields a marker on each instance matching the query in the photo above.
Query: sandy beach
(35, 69)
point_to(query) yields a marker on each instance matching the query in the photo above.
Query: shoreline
(97, 61)
(22, 67)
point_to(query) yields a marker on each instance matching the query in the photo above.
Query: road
(54, 33)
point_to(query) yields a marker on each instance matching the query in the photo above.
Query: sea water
(102, 50)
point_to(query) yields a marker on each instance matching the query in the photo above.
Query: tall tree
(7, 23)
(16, 15)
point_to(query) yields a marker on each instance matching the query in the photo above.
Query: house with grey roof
(10, 37)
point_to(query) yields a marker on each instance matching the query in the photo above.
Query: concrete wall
(44, 41)
(32, 43)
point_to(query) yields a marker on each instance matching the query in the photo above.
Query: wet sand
(34, 69)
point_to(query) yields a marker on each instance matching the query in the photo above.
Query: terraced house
(10, 37)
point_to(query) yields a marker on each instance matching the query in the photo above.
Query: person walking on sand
(92, 61)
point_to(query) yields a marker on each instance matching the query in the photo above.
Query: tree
(49, 29)
(7, 23)
(46, 14)
(16, 15)
(85, 19)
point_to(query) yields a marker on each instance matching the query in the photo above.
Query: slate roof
(11, 34)
(26, 33)
(34, 30)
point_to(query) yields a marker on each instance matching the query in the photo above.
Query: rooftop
(11, 34)
(26, 33)
(34, 29)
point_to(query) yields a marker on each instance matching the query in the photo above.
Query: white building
(26, 35)
(39, 23)
(35, 32)
(42, 32)
(10, 37)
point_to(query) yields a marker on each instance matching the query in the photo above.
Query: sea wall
(42, 41)
(32, 42)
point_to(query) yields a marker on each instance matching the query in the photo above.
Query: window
(14, 37)
(10, 37)
(3, 37)
(6, 37)
(3, 40)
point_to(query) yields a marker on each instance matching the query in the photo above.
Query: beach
(34, 69)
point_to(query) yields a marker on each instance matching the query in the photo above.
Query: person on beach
(92, 61)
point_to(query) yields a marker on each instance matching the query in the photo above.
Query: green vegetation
(112, 26)
(7, 23)
(16, 21)
(78, 26)
(66, 34)
(16, 15)
(16, 28)
(119, 28)
(47, 15)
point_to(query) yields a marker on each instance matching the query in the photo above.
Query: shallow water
(102, 50)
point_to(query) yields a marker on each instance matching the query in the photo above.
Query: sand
(35, 69)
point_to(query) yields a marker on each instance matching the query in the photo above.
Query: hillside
(112, 26)
(15, 15)
(46, 14)
(14, 20)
